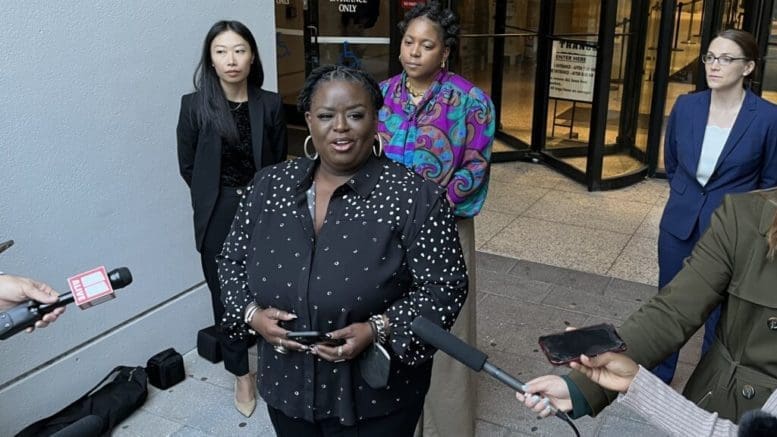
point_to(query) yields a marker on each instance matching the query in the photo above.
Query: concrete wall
(88, 176)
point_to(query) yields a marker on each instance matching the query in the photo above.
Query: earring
(313, 156)
(380, 146)
(442, 65)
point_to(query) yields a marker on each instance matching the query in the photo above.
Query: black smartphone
(565, 347)
(313, 337)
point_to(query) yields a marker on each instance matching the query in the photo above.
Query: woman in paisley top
(442, 126)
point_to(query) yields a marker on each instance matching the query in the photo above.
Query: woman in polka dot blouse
(345, 242)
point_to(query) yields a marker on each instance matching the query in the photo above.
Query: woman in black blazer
(227, 130)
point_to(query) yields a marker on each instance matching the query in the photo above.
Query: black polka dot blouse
(388, 245)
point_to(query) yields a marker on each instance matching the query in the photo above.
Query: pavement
(550, 255)
(517, 302)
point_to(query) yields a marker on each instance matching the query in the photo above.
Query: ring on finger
(277, 314)
(280, 348)
(340, 351)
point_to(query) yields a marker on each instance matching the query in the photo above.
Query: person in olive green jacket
(732, 265)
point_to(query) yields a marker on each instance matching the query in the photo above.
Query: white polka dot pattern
(388, 245)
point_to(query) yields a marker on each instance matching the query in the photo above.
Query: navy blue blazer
(748, 160)
(199, 150)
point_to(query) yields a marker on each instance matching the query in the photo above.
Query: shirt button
(748, 391)
(772, 323)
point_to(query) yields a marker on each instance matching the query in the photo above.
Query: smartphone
(565, 347)
(313, 337)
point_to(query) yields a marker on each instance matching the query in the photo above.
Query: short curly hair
(327, 73)
(446, 19)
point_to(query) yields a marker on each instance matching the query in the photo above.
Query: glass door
(498, 53)
(312, 33)
(350, 33)
(290, 52)
(768, 79)
(593, 129)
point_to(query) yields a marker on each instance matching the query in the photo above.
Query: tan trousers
(451, 403)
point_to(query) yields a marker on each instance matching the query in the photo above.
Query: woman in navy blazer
(227, 130)
(722, 140)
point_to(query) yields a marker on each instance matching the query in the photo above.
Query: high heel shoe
(245, 408)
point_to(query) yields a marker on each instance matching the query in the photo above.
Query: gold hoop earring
(380, 146)
(310, 156)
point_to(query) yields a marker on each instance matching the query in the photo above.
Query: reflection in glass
(576, 27)
(685, 64)
(769, 82)
(348, 38)
(476, 55)
(290, 49)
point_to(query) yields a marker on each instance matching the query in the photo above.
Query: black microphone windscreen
(448, 343)
(120, 277)
(757, 423)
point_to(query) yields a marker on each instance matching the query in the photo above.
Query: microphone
(757, 423)
(87, 289)
(471, 357)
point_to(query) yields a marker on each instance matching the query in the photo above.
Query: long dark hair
(213, 107)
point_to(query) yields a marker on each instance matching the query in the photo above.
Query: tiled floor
(535, 214)
(550, 255)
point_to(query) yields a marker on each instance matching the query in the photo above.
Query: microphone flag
(91, 287)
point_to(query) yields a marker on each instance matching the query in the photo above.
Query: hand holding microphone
(477, 361)
(87, 289)
(17, 289)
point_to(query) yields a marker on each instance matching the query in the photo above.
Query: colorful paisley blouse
(447, 138)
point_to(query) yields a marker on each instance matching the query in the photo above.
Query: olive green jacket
(727, 267)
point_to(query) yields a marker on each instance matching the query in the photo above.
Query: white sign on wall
(572, 71)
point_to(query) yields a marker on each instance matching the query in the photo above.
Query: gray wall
(90, 99)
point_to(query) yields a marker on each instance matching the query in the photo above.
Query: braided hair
(327, 73)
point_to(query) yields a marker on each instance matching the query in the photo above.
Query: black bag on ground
(165, 369)
(112, 402)
(209, 344)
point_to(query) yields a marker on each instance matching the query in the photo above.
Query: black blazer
(199, 150)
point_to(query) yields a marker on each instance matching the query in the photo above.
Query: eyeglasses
(722, 60)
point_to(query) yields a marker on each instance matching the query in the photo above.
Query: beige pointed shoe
(245, 408)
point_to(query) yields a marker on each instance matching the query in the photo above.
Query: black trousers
(234, 352)
(400, 423)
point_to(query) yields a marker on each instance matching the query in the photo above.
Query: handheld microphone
(472, 358)
(87, 289)
(757, 423)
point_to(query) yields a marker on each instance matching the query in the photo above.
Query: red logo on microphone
(91, 287)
